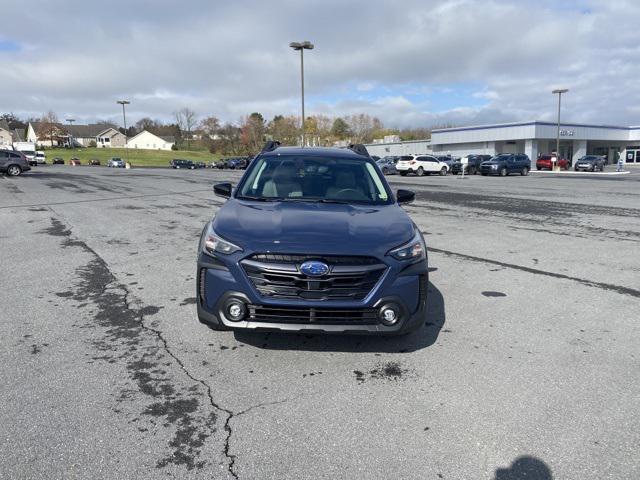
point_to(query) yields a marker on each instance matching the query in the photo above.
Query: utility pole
(70, 120)
(559, 91)
(302, 46)
(124, 122)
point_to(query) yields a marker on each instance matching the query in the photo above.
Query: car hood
(314, 228)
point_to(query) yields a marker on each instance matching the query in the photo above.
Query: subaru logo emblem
(314, 268)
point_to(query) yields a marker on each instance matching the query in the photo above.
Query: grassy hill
(138, 158)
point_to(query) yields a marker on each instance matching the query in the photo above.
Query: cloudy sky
(411, 63)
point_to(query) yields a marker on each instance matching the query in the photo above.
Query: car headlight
(494, 167)
(214, 243)
(414, 250)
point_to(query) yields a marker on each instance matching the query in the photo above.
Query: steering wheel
(339, 193)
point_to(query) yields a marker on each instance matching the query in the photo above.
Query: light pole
(302, 46)
(70, 120)
(559, 91)
(124, 121)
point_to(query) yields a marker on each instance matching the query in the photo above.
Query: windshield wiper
(330, 200)
(260, 199)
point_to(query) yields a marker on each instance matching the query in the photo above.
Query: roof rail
(359, 149)
(270, 146)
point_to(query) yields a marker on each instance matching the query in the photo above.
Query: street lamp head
(306, 45)
(123, 102)
(560, 90)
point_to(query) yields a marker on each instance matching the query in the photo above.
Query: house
(85, 135)
(56, 134)
(45, 134)
(6, 137)
(110, 138)
(146, 140)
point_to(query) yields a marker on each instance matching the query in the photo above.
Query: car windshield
(502, 156)
(314, 178)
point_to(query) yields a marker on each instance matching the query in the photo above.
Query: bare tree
(186, 120)
(210, 126)
(49, 127)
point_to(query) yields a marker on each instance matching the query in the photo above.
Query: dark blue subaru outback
(312, 239)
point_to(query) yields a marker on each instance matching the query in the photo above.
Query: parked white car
(40, 157)
(421, 165)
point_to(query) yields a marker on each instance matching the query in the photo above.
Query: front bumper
(220, 281)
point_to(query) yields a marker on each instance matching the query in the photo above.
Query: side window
(422, 159)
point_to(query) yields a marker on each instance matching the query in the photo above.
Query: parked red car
(545, 161)
(74, 161)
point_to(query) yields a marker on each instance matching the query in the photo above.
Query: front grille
(279, 276)
(315, 316)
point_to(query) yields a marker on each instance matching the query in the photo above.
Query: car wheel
(503, 172)
(443, 172)
(524, 172)
(420, 171)
(403, 174)
(385, 171)
(14, 170)
(602, 168)
(473, 171)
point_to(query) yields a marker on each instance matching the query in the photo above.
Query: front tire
(524, 172)
(443, 172)
(420, 171)
(473, 171)
(503, 172)
(14, 170)
(385, 171)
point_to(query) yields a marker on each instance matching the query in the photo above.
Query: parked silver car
(116, 163)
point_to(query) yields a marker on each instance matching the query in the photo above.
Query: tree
(13, 121)
(210, 126)
(253, 132)
(228, 141)
(340, 129)
(285, 130)
(186, 120)
(49, 127)
(148, 124)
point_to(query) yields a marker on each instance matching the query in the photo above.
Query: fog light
(236, 310)
(389, 315)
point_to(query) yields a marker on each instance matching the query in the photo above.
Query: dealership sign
(567, 133)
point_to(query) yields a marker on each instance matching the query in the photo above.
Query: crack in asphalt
(60, 229)
(590, 283)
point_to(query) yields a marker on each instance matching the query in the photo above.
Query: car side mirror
(222, 190)
(405, 196)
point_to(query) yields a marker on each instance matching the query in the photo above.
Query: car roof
(315, 152)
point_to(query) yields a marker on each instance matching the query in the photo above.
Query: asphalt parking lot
(527, 367)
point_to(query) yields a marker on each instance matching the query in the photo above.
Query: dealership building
(533, 138)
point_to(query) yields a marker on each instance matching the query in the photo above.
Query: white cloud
(229, 59)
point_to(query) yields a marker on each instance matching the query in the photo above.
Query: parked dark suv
(312, 239)
(471, 166)
(177, 163)
(13, 163)
(506, 163)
